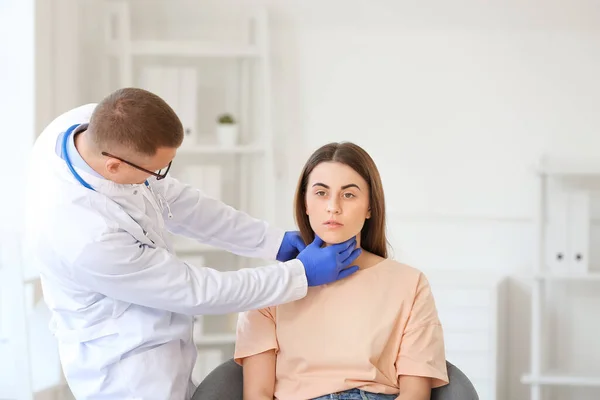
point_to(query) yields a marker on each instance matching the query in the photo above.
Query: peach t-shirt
(360, 332)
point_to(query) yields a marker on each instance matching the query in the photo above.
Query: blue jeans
(356, 394)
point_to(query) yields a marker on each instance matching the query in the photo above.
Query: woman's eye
(348, 195)
(320, 193)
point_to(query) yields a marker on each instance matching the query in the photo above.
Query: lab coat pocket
(147, 377)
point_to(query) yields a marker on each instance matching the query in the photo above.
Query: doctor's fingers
(298, 243)
(318, 242)
(350, 258)
(346, 246)
(344, 252)
(347, 272)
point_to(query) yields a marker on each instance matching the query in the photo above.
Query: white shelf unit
(472, 307)
(29, 362)
(562, 257)
(125, 54)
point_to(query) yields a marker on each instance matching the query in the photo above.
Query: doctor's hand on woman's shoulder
(325, 265)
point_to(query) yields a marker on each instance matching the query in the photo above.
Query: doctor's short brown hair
(136, 119)
(373, 234)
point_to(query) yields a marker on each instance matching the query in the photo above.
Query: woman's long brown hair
(373, 234)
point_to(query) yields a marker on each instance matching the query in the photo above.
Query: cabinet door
(470, 307)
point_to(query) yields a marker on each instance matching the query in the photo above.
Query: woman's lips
(333, 224)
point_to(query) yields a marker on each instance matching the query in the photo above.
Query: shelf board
(216, 149)
(215, 339)
(553, 276)
(186, 49)
(561, 380)
(557, 166)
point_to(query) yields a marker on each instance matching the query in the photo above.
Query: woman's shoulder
(402, 271)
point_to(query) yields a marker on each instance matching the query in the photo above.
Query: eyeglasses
(159, 175)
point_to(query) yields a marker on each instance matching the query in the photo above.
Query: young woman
(373, 335)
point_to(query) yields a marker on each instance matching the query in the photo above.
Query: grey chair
(225, 383)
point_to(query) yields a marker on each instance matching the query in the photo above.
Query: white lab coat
(122, 302)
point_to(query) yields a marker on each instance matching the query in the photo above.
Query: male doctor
(100, 204)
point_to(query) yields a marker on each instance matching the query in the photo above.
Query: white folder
(171, 88)
(206, 178)
(188, 101)
(151, 79)
(212, 181)
(578, 231)
(557, 232)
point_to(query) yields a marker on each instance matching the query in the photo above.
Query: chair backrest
(459, 388)
(225, 382)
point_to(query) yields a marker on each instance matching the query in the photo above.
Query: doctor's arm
(208, 220)
(118, 266)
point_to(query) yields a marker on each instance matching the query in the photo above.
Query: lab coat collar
(101, 184)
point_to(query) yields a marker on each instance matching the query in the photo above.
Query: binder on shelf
(151, 79)
(188, 101)
(171, 87)
(556, 233)
(578, 232)
(177, 87)
(212, 181)
(206, 178)
(568, 232)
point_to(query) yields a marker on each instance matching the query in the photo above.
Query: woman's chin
(332, 237)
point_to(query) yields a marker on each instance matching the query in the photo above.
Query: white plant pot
(227, 134)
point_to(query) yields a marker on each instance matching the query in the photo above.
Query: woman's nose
(333, 207)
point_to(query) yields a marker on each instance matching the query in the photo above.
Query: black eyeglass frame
(158, 176)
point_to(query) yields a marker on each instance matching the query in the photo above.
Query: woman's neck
(367, 260)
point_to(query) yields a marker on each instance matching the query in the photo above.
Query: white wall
(455, 104)
(455, 101)
(17, 101)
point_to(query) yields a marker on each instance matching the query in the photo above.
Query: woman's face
(337, 202)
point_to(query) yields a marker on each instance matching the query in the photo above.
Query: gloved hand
(328, 264)
(291, 246)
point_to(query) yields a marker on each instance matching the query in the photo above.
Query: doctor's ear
(112, 165)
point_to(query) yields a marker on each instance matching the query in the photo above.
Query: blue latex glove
(291, 246)
(324, 265)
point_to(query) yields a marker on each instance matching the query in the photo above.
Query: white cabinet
(472, 308)
(206, 63)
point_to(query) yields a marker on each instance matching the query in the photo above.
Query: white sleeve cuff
(273, 240)
(299, 284)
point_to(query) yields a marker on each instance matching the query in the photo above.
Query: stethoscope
(64, 146)
(161, 200)
(68, 159)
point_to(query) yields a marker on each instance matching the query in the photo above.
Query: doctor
(99, 206)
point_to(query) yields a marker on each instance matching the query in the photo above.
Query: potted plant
(227, 130)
